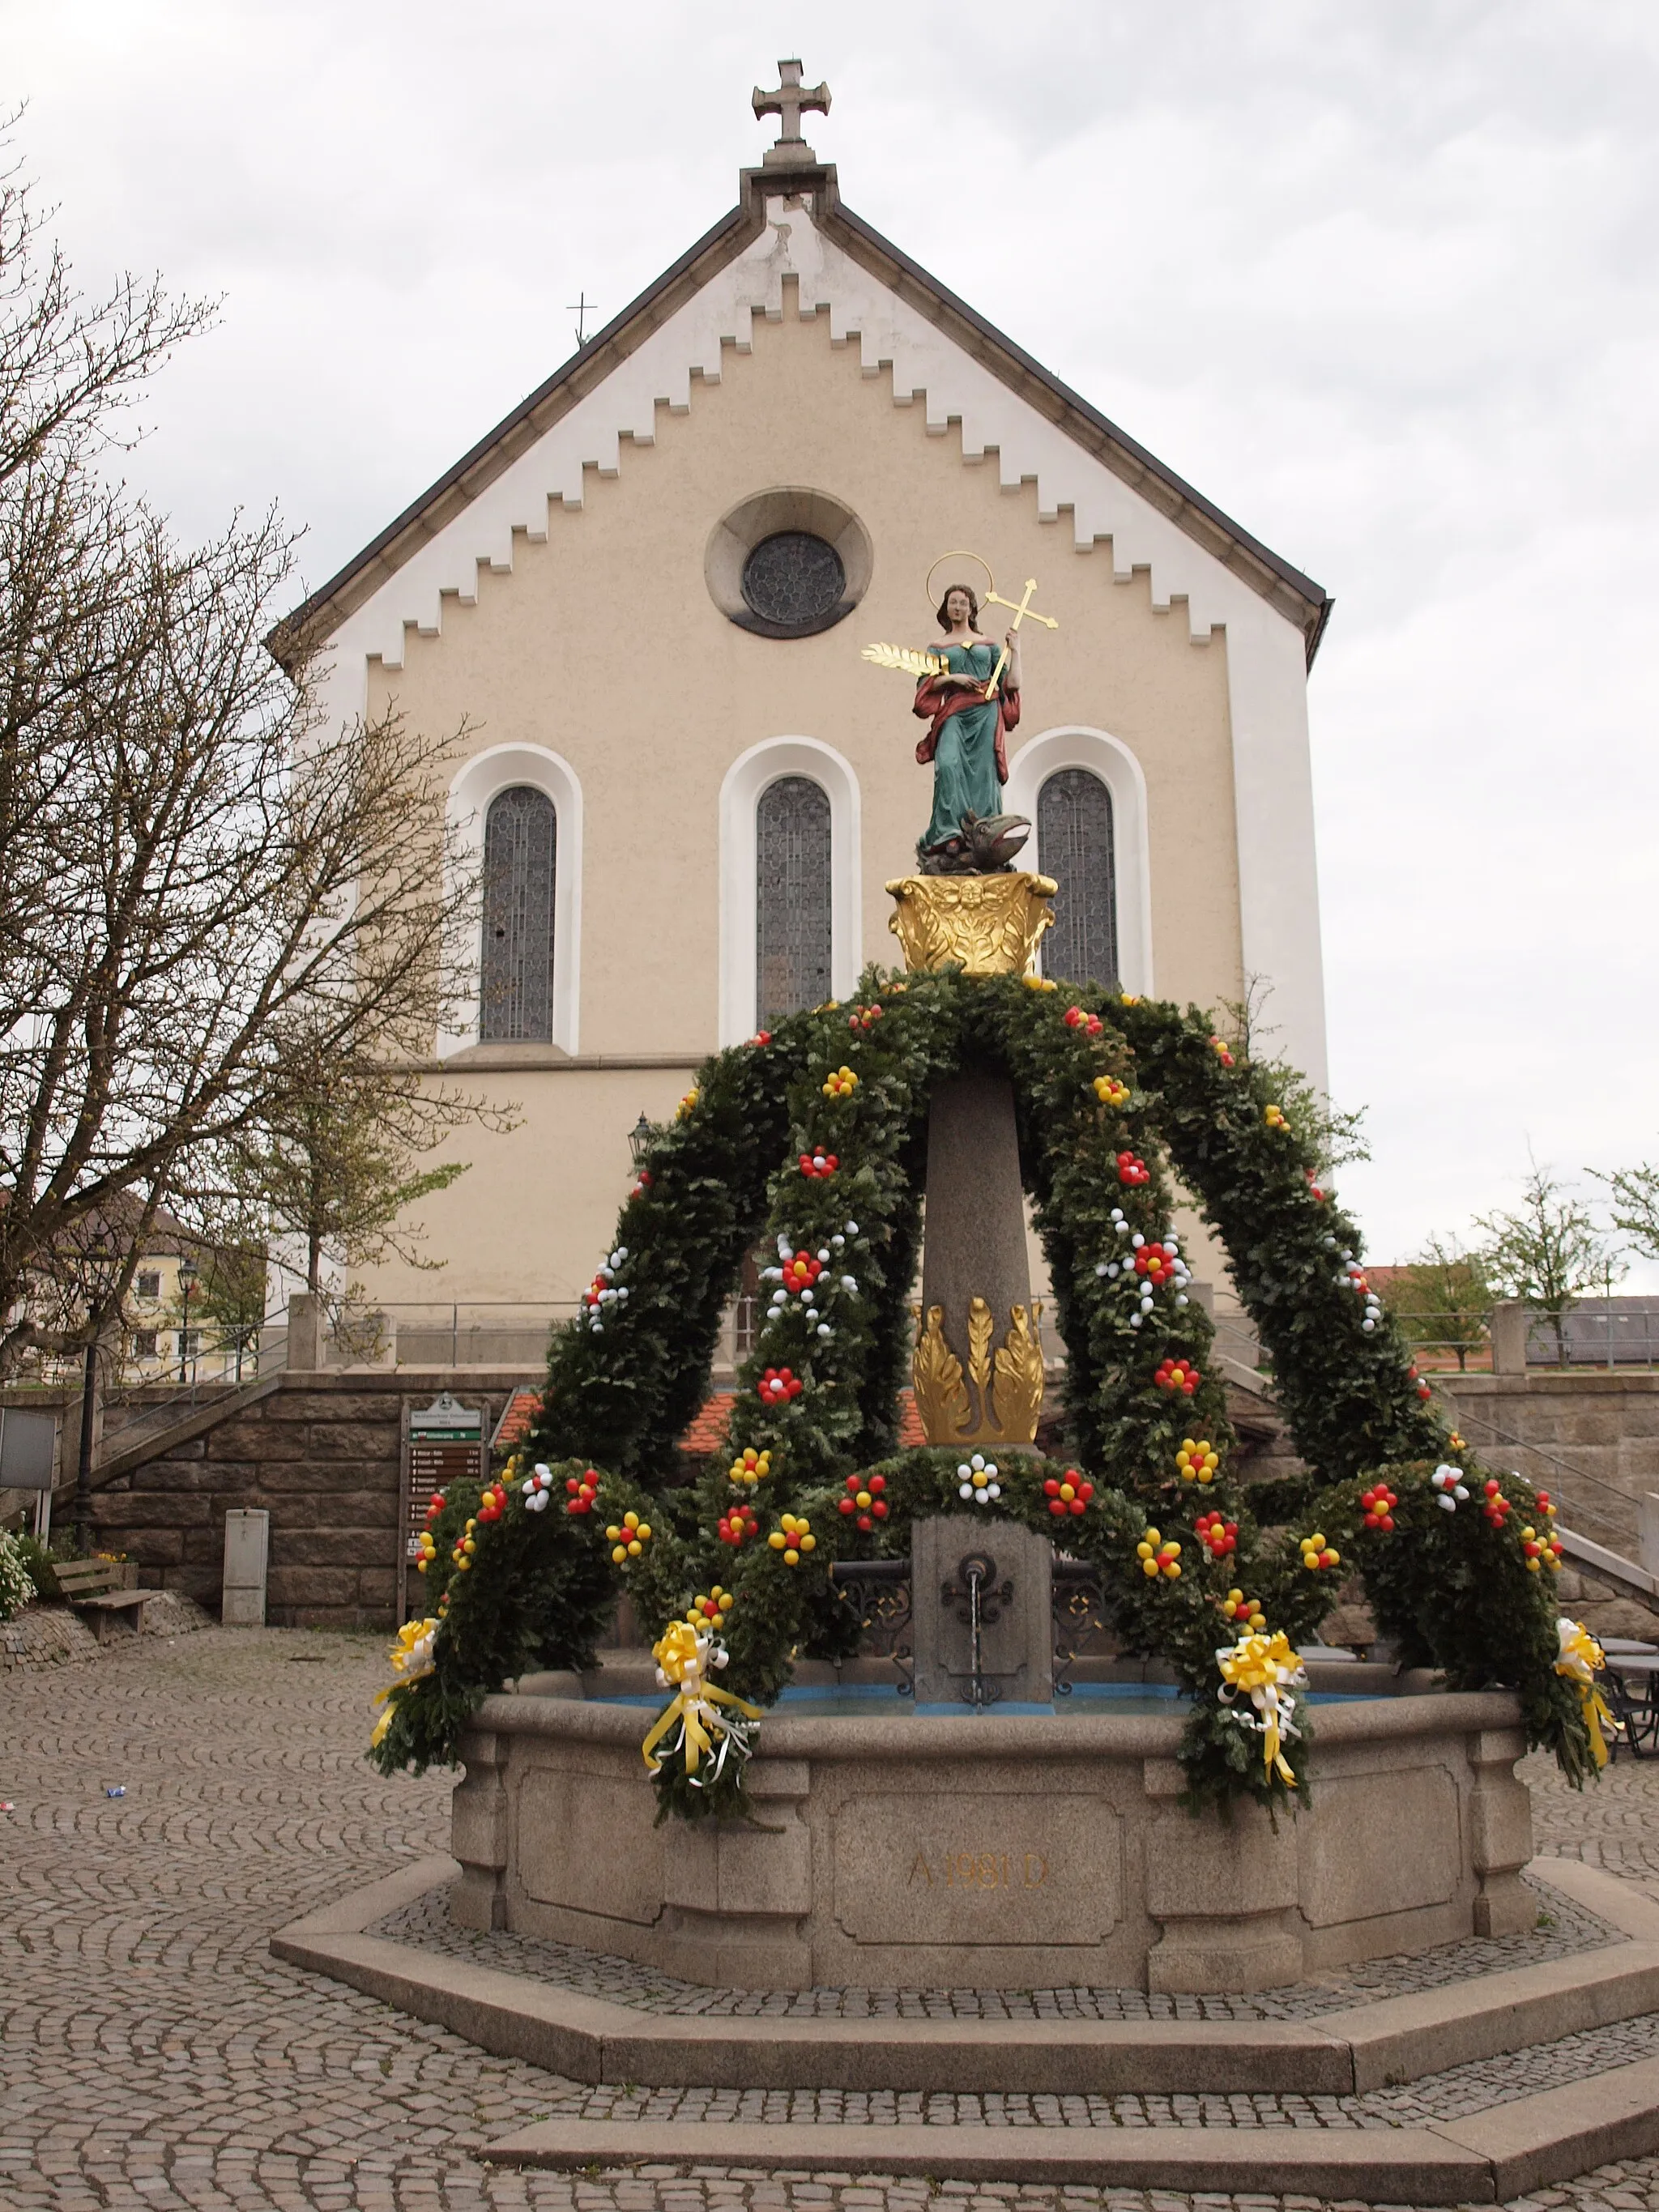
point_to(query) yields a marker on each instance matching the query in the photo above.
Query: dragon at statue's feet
(984, 846)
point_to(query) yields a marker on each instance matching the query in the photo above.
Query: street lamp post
(83, 1459)
(639, 1141)
(187, 1280)
(102, 1269)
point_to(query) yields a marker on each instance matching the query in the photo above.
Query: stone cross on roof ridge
(788, 103)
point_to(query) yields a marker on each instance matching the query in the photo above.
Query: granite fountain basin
(940, 1848)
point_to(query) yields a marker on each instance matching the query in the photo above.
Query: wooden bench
(89, 1586)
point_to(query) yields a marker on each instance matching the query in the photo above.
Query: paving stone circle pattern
(152, 2055)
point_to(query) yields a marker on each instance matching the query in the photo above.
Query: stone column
(477, 1828)
(1511, 1325)
(1017, 1648)
(975, 1242)
(1224, 1896)
(1647, 1538)
(738, 1893)
(1500, 1833)
(978, 1368)
(304, 1333)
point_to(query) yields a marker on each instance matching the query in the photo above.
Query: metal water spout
(979, 1599)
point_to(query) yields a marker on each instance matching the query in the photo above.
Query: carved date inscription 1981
(981, 1870)
(1042, 1868)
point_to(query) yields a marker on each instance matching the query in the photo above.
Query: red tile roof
(706, 1433)
(520, 1410)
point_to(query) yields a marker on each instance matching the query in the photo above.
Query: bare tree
(1336, 1133)
(231, 1300)
(333, 1160)
(1547, 1253)
(192, 867)
(1445, 1298)
(1635, 1195)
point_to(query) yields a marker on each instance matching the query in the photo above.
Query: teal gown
(965, 765)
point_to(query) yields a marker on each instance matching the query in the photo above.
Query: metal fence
(447, 1333)
(157, 1357)
(1599, 1333)
(487, 1333)
(1595, 1332)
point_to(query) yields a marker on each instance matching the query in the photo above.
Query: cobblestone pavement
(1614, 1823)
(152, 2055)
(51, 1635)
(1564, 1927)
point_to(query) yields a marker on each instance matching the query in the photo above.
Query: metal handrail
(1578, 1475)
(1520, 1444)
(184, 1397)
(1618, 1319)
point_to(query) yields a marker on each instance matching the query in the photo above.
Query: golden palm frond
(907, 658)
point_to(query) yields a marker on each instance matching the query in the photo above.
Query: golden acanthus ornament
(985, 925)
(1008, 1385)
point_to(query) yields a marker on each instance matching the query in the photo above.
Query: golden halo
(961, 553)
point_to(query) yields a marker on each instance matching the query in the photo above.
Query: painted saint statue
(966, 739)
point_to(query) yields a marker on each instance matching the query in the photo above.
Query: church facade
(645, 594)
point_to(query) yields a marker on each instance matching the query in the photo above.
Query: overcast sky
(1377, 276)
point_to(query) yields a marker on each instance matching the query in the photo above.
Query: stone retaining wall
(1605, 1425)
(322, 1454)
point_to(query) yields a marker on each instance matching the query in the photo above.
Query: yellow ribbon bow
(1263, 1668)
(1581, 1661)
(683, 1658)
(411, 1658)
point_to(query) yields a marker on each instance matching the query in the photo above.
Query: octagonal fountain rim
(560, 1705)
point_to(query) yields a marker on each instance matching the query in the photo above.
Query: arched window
(1074, 846)
(516, 971)
(791, 897)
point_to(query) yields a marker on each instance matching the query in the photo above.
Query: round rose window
(793, 580)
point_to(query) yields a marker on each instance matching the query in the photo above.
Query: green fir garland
(811, 1140)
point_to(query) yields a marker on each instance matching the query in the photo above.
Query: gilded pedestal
(984, 925)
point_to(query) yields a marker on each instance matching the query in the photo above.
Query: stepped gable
(792, 224)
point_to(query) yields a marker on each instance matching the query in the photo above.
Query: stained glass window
(791, 897)
(516, 972)
(1074, 846)
(793, 580)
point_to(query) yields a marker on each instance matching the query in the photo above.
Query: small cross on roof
(788, 102)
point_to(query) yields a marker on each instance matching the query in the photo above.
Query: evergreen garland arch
(811, 1137)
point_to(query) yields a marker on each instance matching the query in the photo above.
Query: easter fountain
(850, 1756)
(925, 1805)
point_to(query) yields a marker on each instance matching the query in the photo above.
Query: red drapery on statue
(936, 703)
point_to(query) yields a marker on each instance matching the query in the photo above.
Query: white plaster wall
(1278, 885)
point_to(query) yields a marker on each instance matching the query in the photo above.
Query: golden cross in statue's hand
(1021, 609)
